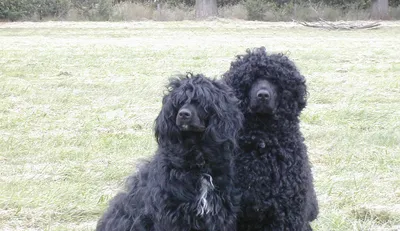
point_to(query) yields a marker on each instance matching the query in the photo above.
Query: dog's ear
(299, 94)
(240, 80)
(227, 119)
(293, 89)
(294, 94)
(293, 100)
(165, 128)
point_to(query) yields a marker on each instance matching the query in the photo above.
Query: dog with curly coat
(189, 184)
(273, 170)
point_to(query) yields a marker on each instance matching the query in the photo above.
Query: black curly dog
(189, 183)
(273, 170)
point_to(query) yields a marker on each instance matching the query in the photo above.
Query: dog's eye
(202, 113)
(194, 102)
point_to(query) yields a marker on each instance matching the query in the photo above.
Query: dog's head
(196, 106)
(267, 84)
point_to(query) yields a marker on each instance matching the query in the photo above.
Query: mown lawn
(78, 101)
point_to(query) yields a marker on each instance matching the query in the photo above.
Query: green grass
(78, 101)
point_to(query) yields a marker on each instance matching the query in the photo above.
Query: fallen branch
(338, 26)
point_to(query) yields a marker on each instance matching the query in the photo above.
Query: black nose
(263, 94)
(184, 114)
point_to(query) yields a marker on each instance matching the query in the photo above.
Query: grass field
(78, 101)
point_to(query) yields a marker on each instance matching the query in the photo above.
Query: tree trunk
(380, 9)
(206, 8)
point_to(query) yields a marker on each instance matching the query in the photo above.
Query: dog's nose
(184, 114)
(263, 94)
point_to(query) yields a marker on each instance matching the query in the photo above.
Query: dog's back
(126, 207)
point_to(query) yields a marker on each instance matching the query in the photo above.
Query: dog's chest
(205, 201)
(206, 194)
(267, 147)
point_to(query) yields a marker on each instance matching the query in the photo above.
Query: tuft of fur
(273, 170)
(204, 205)
(189, 183)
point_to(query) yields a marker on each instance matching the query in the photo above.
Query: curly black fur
(273, 170)
(189, 183)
